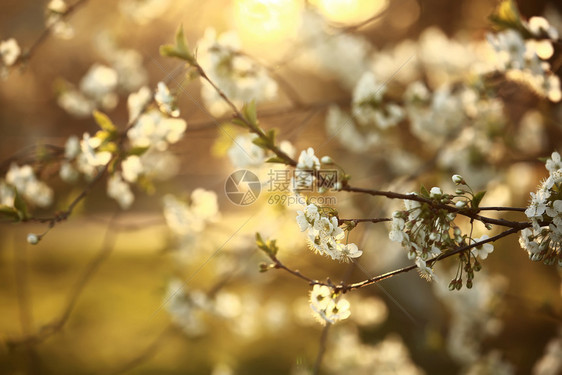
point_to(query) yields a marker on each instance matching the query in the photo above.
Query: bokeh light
(258, 21)
(349, 11)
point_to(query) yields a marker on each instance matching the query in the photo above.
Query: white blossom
(165, 100)
(132, 168)
(329, 307)
(482, 250)
(425, 271)
(26, 183)
(307, 160)
(120, 190)
(99, 83)
(236, 75)
(243, 153)
(9, 51)
(368, 107)
(137, 101)
(152, 129)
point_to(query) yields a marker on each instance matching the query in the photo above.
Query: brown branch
(431, 261)
(344, 287)
(452, 209)
(200, 125)
(375, 221)
(238, 115)
(25, 57)
(297, 273)
(515, 209)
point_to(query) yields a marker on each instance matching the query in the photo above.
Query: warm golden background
(99, 279)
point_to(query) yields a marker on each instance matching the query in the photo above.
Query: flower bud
(460, 204)
(435, 192)
(326, 160)
(452, 285)
(33, 239)
(458, 180)
(469, 284)
(338, 185)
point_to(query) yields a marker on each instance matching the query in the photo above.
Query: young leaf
(260, 142)
(424, 192)
(180, 49)
(104, 121)
(477, 199)
(8, 213)
(506, 16)
(276, 159)
(250, 112)
(20, 206)
(269, 247)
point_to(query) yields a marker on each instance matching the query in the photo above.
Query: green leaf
(8, 213)
(181, 43)
(138, 151)
(250, 112)
(180, 49)
(506, 16)
(271, 136)
(20, 206)
(104, 122)
(276, 159)
(424, 192)
(239, 122)
(260, 142)
(269, 247)
(477, 199)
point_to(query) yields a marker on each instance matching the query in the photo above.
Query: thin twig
(254, 129)
(25, 57)
(418, 198)
(58, 323)
(516, 209)
(321, 348)
(375, 220)
(461, 249)
(344, 287)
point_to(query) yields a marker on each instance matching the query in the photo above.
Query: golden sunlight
(266, 20)
(349, 11)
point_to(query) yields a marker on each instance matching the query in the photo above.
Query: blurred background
(98, 294)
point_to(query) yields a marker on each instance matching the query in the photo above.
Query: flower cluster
(9, 53)
(328, 306)
(325, 235)
(368, 106)
(522, 54)
(425, 230)
(55, 12)
(304, 173)
(544, 240)
(238, 76)
(187, 220)
(96, 90)
(150, 134)
(21, 180)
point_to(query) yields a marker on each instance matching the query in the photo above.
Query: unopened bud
(458, 180)
(326, 160)
(33, 239)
